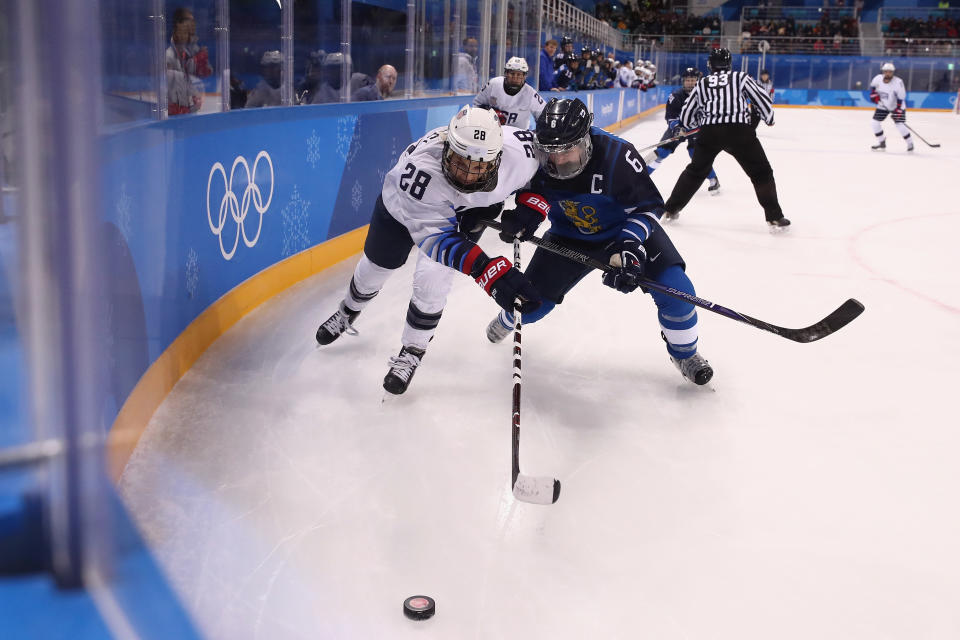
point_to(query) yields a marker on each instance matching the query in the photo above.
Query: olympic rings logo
(238, 209)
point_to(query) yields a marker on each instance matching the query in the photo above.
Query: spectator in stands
(381, 88)
(547, 74)
(267, 91)
(465, 79)
(186, 63)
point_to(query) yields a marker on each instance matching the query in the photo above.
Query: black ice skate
(402, 368)
(714, 187)
(339, 322)
(695, 368)
(880, 146)
(497, 331)
(780, 225)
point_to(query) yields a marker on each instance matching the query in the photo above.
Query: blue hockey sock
(506, 317)
(678, 318)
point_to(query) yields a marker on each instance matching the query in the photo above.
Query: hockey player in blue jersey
(603, 204)
(688, 79)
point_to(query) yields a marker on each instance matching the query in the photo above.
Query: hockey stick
(669, 140)
(929, 144)
(536, 490)
(840, 317)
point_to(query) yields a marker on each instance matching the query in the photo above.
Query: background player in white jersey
(626, 76)
(510, 96)
(888, 92)
(449, 176)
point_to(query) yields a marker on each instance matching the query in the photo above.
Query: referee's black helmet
(720, 60)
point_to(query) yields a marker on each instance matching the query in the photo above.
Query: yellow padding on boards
(177, 359)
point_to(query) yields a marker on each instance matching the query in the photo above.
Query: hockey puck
(419, 607)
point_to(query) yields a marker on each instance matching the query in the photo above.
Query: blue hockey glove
(674, 127)
(522, 222)
(628, 262)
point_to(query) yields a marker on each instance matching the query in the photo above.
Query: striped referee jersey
(721, 98)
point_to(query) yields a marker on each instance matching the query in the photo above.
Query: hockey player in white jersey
(890, 96)
(432, 198)
(510, 96)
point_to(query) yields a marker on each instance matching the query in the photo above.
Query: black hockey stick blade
(840, 317)
(929, 144)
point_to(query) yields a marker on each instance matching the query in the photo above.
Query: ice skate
(402, 368)
(880, 146)
(714, 188)
(910, 147)
(695, 368)
(670, 216)
(340, 322)
(497, 331)
(780, 225)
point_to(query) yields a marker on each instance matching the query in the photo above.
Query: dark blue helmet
(562, 137)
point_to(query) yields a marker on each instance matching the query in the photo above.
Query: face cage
(512, 89)
(568, 168)
(485, 173)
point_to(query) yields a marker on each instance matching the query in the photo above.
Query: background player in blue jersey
(689, 79)
(603, 204)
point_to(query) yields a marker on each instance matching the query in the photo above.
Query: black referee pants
(740, 141)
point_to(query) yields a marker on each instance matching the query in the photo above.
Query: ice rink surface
(811, 491)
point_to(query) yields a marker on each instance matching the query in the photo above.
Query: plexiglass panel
(255, 54)
(129, 60)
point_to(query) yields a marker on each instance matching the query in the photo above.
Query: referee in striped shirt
(718, 105)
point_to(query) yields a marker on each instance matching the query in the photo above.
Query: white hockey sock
(902, 128)
(878, 130)
(366, 283)
(431, 284)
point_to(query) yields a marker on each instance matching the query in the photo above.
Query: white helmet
(516, 64)
(475, 137)
(888, 66)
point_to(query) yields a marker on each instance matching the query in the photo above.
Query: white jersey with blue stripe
(416, 193)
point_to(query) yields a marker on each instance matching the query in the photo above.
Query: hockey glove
(468, 220)
(628, 263)
(674, 127)
(505, 284)
(899, 114)
(522, 222)
(874, 96)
